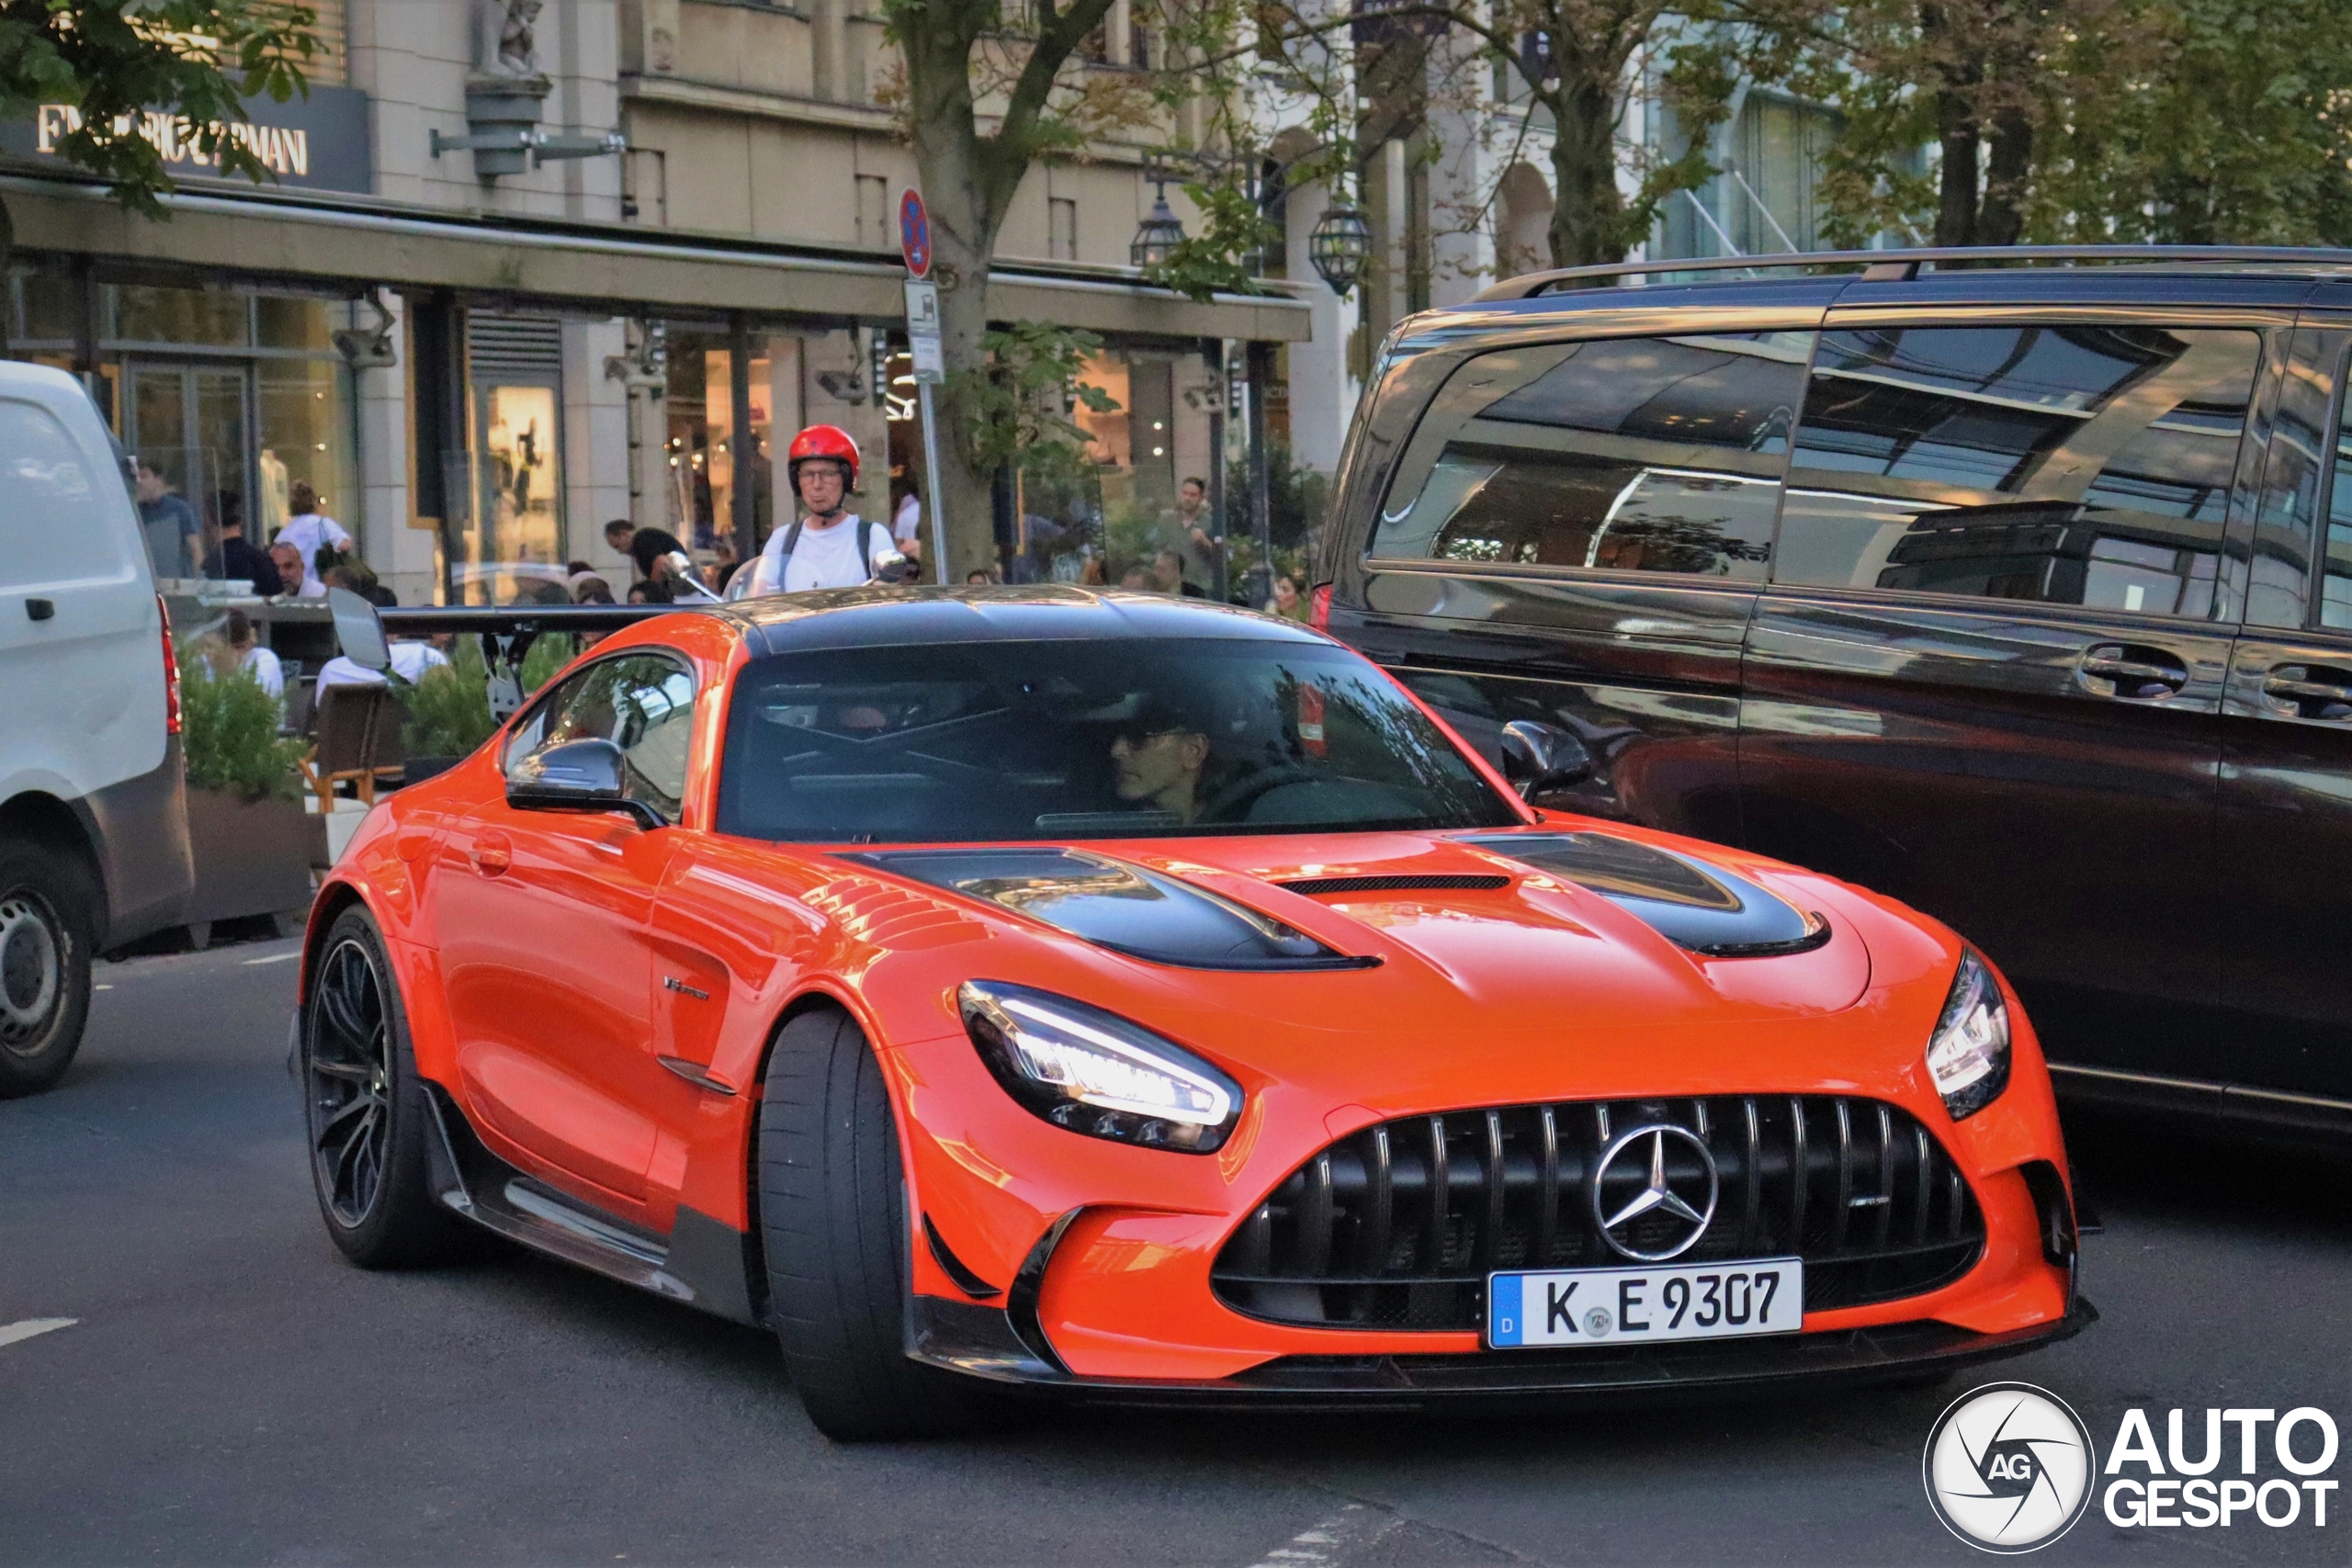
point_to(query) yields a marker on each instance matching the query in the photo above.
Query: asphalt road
(231, 1392)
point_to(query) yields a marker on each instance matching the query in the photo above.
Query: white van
(94, 848)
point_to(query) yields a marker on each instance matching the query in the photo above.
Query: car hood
(1517, 934)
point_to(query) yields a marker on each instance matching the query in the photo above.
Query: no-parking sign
(914, 233)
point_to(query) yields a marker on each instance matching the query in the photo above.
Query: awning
(605, 268)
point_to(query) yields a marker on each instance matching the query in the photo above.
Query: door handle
(493, 854)
(41, 609)
(2309, 691)
(2131, 672)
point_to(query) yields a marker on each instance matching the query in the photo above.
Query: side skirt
(702, 1263)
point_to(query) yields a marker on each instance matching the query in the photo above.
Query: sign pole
(931, 484)
(930, 364)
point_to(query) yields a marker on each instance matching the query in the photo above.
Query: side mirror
(360, 629)
(895, 568)
(1539, 758)
(576, 776)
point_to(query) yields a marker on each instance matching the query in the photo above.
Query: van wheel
(833, 1219)
(49, 916)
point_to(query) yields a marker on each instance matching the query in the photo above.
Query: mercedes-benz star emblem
(1658, 1194)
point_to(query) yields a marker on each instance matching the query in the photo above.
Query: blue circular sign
(914, 233)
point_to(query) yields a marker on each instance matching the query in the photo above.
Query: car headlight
(1968, 1055)
(1094, 1073)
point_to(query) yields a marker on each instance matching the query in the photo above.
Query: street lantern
(1156, 236)
(1339, 246)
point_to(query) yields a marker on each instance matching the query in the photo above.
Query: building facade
(531, 265)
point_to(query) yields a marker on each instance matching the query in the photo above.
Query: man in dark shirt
(646, 547)
(238, 561)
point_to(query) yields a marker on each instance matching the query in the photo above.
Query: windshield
(1147, 738)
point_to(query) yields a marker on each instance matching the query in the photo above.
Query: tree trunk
(964, 224)
(2002, 219)
(1588, 213)
(1956, 129)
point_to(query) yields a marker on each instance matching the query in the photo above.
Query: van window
(1633, 454)
(2336, 590)
(59, 520)
(2068, 465)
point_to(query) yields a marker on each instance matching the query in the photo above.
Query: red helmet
(822, 441)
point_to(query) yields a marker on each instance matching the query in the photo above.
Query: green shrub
(449, 711)
(229, 733)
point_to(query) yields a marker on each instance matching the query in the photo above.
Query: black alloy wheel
(350, 1072)
(48, 909)
(367, 1110)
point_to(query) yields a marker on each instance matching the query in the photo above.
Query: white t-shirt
(266, 671)
(306, 534)
(825, 557)
(907, 523)
(410, 661)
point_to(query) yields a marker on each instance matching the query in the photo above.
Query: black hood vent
(1699, 908)
(1399, 882)
(1127, 908)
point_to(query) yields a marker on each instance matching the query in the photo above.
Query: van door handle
(2131, 672)
(41, 609)
(2309, 691)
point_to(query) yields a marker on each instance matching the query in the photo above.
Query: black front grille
(1382, 1230)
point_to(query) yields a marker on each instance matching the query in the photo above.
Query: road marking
(102, 988)
(273, 958)
(32, 1325)
(1331, 1543)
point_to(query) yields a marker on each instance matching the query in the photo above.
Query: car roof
(884, 616)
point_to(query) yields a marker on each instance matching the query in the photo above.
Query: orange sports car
(1092, 994)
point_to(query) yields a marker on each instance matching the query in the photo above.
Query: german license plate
(1645, 1305)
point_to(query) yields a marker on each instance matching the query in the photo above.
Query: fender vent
(1400, 883)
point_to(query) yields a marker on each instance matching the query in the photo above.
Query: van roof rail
(1901, 266)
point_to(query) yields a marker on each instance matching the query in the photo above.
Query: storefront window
(704, 467)
(232, 394)
(212, 318)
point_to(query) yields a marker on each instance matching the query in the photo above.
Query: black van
(2020, 592)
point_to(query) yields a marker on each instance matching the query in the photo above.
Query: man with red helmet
(827, 546)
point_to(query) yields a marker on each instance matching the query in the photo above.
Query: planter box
(252, 857)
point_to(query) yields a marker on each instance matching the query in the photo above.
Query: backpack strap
(791, 543)
(866, 548)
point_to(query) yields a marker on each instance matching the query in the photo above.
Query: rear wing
(507, 632)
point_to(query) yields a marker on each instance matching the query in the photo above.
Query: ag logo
(2008, 1467)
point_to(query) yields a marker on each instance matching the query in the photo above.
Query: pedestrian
(648, 592)
(291, 568)
(1191, 533)
(309, 531)
(174, 536)
(649, 548)
(905, 528)
(239, 560)
(827, 546)
(1288, 601)
(251, 657)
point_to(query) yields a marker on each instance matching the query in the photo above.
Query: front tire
(366, 1109)
(49, 916)
(833, 1218)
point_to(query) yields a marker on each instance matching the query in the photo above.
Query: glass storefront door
(191, 421)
